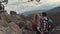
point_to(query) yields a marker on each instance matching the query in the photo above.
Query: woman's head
(36, 17)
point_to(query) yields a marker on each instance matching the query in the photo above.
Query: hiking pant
(35, 29)
(37, 32)
(46, 33)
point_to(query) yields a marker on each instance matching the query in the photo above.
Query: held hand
(41, 32)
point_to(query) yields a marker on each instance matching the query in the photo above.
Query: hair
(35, 19)
(44, 14)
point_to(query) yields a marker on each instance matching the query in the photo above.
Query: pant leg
(46, 33)
(35, 29)
(37, 32)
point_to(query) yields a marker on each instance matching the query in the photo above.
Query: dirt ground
(56, 32)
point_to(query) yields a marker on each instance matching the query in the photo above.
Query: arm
(38, 28)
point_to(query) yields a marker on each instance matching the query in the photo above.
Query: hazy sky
(23, 6)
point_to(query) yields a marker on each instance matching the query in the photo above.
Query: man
(43, 25)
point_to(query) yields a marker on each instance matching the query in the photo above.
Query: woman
(35, 23)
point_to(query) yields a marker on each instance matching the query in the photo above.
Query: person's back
(44, 23)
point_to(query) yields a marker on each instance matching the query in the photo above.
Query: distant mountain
(54, 10)
(54, 14)
(33, 12)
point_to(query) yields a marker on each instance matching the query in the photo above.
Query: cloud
(22, 6)
(53, 1)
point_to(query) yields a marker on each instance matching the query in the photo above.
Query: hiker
(42, 27)
(45, 24)
(35, 24)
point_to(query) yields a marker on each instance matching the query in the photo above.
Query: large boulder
(15, 28)
(5, 29)
(9, 28)
(24, 31)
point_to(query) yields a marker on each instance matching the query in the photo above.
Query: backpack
(51, 26)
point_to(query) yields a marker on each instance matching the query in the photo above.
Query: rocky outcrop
(15, 28)
(10, 28)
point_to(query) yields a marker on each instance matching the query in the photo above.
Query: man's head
(44, 14)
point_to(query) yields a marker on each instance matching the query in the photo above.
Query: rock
(15, 28)
(6, 30)
(3, 23)
(1, 32)
(28, 32)
(21, 24)
(9, 28)
(28, 25)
